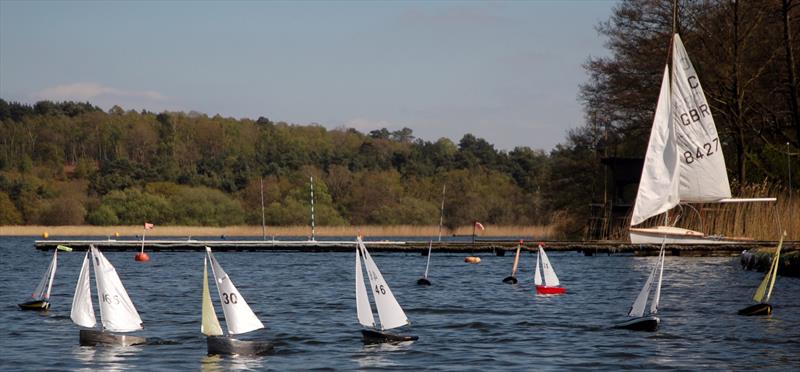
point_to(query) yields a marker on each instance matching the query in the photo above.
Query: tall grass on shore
(755, 220)
(524, 232)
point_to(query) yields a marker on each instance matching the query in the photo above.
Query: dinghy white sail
(117, 312)
(640, 321)
(764, 291)
(390, 313)
(551, 285)
(684, 162)
(239, 317)
(40, 298)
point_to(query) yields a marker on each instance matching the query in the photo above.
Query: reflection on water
(380, 355)
(106, 358)
(214, 363)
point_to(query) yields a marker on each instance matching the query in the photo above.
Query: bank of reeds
(756, 220)
(523, 232)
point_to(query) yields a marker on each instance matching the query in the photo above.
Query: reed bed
(524, 232)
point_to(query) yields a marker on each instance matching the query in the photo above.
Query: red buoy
(142, 257)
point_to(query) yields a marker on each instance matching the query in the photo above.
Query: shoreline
(524, 232)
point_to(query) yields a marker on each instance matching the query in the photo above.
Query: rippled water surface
(468, 319)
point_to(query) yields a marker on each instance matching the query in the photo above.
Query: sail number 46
(708, 149)
(380, 289)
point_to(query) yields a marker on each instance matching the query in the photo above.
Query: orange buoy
(143, 257)
(45, 235)
(472, 259)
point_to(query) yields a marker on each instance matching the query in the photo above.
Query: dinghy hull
(645, 323)
(35, 305)
(231, 346)
(545, 290)
(376, 337)
(90, 337)
(675, 235)
(757, 309)
(423, 281)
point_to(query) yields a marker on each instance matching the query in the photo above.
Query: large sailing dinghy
(239, 317)
(40, 298)
(390, 313)
(640, 321)
(764, 291)
(117, 313)
(684, 161)
(551, 285)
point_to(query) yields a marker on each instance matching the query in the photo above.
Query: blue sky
(504, 71)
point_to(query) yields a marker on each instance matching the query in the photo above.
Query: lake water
(468, 319)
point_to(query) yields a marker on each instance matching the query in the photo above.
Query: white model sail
(82, 312)
(764, 291)
(657, 296)
(116, 309)
(238, 316)
(550, 278)
(363, 308)
(637, 309)
(390, 313)
(537, 275)
(428, 264)
(210, 324)
(658, 187)
(703, 176)
(42, 291)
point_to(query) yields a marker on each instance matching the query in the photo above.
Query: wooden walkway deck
(498, 247)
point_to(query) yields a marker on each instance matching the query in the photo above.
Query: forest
(73, 163)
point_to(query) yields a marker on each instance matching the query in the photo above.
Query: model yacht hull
(645, 323)
(91, 337)
(377, 337)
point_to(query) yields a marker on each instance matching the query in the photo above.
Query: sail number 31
(708, 149)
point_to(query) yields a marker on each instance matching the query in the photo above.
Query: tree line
(74, 163)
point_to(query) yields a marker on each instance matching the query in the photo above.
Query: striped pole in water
(313, 233)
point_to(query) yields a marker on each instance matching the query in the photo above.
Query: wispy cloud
(92, 92)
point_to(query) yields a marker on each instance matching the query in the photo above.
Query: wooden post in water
(263, 218)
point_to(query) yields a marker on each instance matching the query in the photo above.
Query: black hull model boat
(423, 281)
(35, 305)
(510, 280)
(230, 346)
(646, 323)
(91, 337)
(757, 309)
(376, 337)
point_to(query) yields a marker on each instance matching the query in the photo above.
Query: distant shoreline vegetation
(127, 232)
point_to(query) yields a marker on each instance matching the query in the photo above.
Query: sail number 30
(708, 149)
(229, 298)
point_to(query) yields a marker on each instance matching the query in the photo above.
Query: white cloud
(94, 92)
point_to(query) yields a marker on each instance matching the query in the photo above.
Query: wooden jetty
(498, 247)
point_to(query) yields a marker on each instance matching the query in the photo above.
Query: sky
(508, 72)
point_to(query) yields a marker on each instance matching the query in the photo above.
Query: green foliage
(9, 215)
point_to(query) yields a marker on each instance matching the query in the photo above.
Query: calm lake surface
(468, 319)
